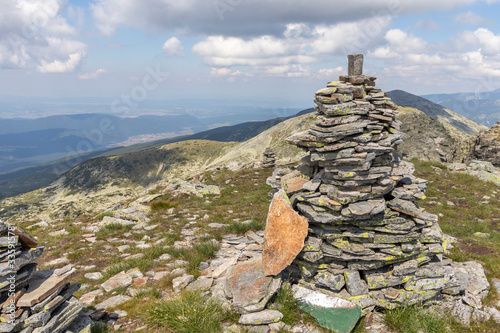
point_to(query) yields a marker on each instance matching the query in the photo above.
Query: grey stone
(355, 64)
(405, 268)
(462, 312)
(112, 302)
(261, 318)
(365, 208)
(81, 324)
(181, 282)
(63, 317)
(427, 284)
(120, 280)
(107, 220)
(330, 281)
(201, 284)
(24, 258)
(355, 286)
(495, 314)
(165, 256)
(94, 276)
(250, 288)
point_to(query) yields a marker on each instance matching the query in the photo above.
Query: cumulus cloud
(265, 50)
(33, 34)
(173, 47)
(93, 75)
(330, 73)
(469, 59)
(398, 44)
(471, 18)
(297, 46)
(489, 42)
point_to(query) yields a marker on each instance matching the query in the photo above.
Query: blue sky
(258, 51)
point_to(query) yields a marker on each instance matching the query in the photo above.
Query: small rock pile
(35, 301)
(269, 158)
(367, 240)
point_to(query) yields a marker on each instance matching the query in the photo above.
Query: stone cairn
(35, 301)
(269, 158)
(367, 241)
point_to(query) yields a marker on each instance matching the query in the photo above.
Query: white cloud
(33, 34)
(60, 66)
(426, 24)
(471, 58)
(93, 75)
(471, 18)
(220, 72)
(489, 42)
(223, 51)
(173, 47)
(330, 73)
(400, 41)
(481, 38)
(398, 44)
(383, 52)
(247, 18)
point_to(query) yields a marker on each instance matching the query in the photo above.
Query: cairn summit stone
(355, 65)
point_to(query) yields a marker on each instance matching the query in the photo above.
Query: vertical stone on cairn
(368, 242)
(355, 65)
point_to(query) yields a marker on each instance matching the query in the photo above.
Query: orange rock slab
(284, 235)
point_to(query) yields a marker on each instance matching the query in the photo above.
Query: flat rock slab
(42, 288)
(284, 235)
(112, 302)
(26, 240)
(333, 313)
(94, 276)
(107, 220)
(121, 279)
(250, 288)
(261, 318)
(90, 297)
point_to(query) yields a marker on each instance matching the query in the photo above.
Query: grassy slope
(244, 196)
(100, 183)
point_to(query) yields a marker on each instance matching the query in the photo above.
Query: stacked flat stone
(269, 158)
(368, 241)
(35, 301)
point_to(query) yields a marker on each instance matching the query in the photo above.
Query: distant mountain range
(35, 152)
(28, 142)
(457, 124)
(482, 107)
(33, 177)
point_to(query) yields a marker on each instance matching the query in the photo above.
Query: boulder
(250, 288)
(284, 235)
